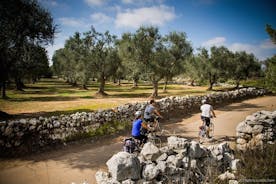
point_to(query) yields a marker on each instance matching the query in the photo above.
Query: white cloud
(115, 8)
(72, 22)
(235, 47)
(100, 18)
(94, 2)
(156, 15)
(267, 44)
(217, 41)
(262, 50)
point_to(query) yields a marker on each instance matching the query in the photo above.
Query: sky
(238, 25)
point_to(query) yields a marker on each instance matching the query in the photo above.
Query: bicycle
(205, 131)
(156, 128)
(156, 132)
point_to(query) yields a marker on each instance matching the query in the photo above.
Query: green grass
(55, 87)
(55, 96)
(259, 83)
(105, 129)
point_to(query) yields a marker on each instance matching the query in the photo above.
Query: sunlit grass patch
(55, 95)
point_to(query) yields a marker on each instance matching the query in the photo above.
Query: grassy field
(54, 96)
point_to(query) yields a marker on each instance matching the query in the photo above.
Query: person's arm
(156, 112)
(213, 112)
(144, 125)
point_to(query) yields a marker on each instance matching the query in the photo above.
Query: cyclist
(151, 112)
(207, 112)
(139, 128)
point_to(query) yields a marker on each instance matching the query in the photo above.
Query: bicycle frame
(154, 127)
(206, 131)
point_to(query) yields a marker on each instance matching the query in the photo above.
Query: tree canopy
(271, 32)
(24, 25)
(153, 56)
(270, 74)
(88, 55)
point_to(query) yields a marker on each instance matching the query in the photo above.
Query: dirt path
(79, 163)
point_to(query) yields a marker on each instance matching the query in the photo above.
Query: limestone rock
(196, 151)
(150, 171)
(150, 151)
(177, 143)
(227, 176)
(124, 166)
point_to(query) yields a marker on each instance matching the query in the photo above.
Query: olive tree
(243, 66)
(178, 51)
(102, 55)
(21, 22)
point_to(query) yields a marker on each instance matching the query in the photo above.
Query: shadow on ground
(238, 107)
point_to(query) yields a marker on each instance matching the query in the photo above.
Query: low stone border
(256, 129)
(31, 134)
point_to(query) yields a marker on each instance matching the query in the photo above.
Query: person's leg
(203, 120)
(207, 123)
(144, 138)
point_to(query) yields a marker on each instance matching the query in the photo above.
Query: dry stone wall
(256, 129)
(31, 134)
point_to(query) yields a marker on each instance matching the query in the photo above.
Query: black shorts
(142, 138)
(206, 120)
(149, 119)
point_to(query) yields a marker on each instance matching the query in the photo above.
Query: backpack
(129, 145)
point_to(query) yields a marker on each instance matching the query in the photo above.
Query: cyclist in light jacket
(151, 111)
(207, 112)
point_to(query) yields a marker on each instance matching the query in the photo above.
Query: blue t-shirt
(136, 127)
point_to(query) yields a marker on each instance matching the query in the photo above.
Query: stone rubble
(176, 162)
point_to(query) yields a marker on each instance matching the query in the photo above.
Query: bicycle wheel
(160, 131)
(155, 140)
(165, 132)
(211, 129)
(157, 128)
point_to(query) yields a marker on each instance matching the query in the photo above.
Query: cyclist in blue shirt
(137, 126)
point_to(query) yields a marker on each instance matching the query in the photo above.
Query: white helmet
(138, 114)
(203, 101)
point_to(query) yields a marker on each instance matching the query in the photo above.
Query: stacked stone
(35, 133)
(256, 129)
(181, 161)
